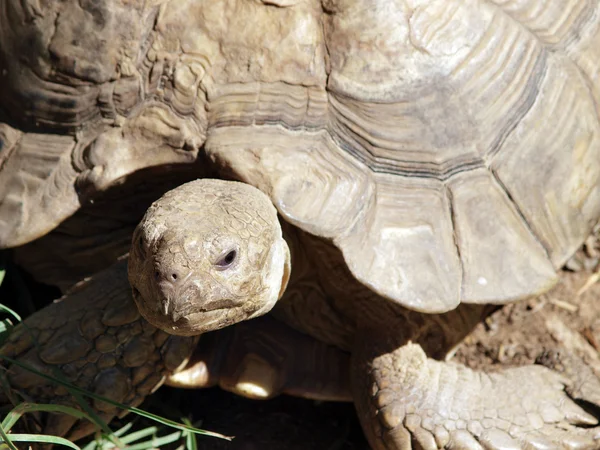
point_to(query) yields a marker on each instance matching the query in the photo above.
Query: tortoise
(421, 160)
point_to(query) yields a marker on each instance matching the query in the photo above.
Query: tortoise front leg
(408, 401)
(94, 338)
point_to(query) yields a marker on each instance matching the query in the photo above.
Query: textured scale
(449, 149)
(440, 149)
(193, 272)
(422, 138)
(97, 340)
(416, 402)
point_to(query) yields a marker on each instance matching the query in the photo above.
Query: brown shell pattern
(449, 148)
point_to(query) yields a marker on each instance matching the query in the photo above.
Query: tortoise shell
(450, 149)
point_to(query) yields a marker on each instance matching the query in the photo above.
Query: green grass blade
(7, 310)
(157, 442)
(58, 378)
(190, 439)
(42, 438)
(95, 418)
(2, 275)
(132, 409)
(6, 439)
(121, 431)
(5, 325)
(93, 445)
(137, 435)
(23, 408)
(99, 442)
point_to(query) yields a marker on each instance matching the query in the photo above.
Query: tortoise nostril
(169, 275)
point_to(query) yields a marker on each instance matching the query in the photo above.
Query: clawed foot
(421, 403)
(263, 358)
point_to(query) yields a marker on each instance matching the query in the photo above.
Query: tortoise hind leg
(262, 358)
(406, 401)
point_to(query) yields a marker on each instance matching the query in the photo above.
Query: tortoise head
(208, 254)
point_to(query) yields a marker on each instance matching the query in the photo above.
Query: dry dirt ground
(568, 317)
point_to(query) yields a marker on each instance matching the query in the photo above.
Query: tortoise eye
(227, 260)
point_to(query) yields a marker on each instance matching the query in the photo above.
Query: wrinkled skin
(405, 399)
(404, 133)
(95, 338)
(191, 274)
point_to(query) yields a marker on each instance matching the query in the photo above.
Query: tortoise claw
(418, 402)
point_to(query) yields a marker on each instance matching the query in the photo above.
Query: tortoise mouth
(191, 320)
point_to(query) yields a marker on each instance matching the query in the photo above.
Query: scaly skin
(96, 339)
(192, 272)
(416, 401)
(404, 399)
